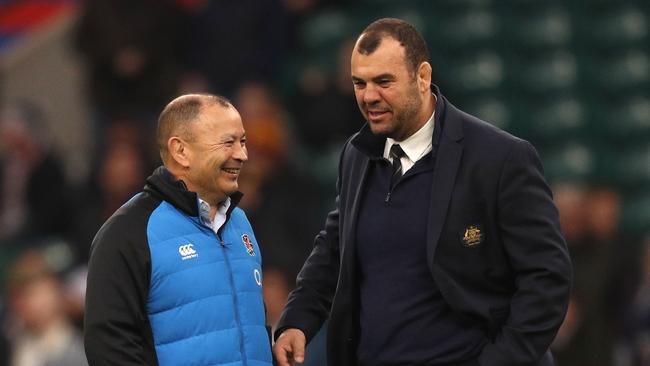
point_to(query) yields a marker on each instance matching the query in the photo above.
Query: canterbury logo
(187, 251)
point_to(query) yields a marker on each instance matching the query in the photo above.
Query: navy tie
(396, 153)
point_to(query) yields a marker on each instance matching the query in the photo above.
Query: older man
(175, 274)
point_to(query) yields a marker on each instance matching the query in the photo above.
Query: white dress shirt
(219, 217)
(415, 146)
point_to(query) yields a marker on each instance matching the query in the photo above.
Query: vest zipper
(234, 300)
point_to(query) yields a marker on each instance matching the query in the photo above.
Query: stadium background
(82, 83)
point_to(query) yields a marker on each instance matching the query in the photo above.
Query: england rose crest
(248, 244)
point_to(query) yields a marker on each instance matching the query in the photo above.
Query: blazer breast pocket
(468, 217)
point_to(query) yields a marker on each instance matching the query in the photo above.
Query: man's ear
(424, 77)
(178, 151)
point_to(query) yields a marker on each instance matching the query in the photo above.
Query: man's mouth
(231, 170)
(375, 115)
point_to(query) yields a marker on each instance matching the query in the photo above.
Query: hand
(290, 347)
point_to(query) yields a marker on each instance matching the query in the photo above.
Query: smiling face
(216, 154)
(390, 96)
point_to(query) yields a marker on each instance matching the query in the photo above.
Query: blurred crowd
(138, 55)
(607, 321)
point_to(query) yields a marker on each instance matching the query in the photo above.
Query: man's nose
(371, 95)
(241, 153)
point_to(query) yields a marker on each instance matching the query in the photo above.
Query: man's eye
(243, 142)
(384, 82)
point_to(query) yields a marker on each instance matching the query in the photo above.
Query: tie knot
(397, 152)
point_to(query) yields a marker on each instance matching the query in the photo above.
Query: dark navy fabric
(399, 301)
(205, 291)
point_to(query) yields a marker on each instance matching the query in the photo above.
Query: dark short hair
(406, 34)
(175, 119)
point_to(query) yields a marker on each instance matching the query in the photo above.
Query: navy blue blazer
(494, 245)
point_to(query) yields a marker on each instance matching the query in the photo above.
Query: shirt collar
(220, 216)
(416, 145)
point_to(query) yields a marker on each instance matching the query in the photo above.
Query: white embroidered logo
(187, 251)
(258, 277)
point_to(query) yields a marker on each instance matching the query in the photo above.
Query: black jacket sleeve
(530, 231)
(117, 329)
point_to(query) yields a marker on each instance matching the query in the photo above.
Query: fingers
(299, 349)
(290, 347)
(281, 351)
(283, 355)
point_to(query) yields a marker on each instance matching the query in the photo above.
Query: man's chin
(379, 129)
(232, 189)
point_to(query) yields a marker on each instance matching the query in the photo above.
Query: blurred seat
(545, 72)
(624, 71)
(614, 26)
(471, 72)
(555, 120)
(626, 119)
(630, 166)
(492, 108)
(447, 6)
(326, 30)
(460, 30)
(547, 28)
(366, 11)
(571, 161)
(635, 218)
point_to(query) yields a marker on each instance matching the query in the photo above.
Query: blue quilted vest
(205, 297)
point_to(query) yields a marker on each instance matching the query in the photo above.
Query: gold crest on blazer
(472, 236)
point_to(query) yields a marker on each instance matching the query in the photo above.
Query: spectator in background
(636, 336)
(573, 344)
(272, 180)
(324, 109)
(5, 349)
(119, 174)
(34, 193)
(570, 200)
(129, 130)
(40, 331)
(276, 289)
(618, 254)
(227, 42)
(603, 273)
(325, 115)
(132, 53)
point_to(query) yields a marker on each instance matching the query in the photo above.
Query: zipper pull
(223, 244)
(387, 197)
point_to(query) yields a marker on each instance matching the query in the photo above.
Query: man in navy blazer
(444, 247)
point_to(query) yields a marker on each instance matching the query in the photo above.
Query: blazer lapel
(447, 163)
(367, 146)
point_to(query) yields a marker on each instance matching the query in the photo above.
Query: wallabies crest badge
(472, 236)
